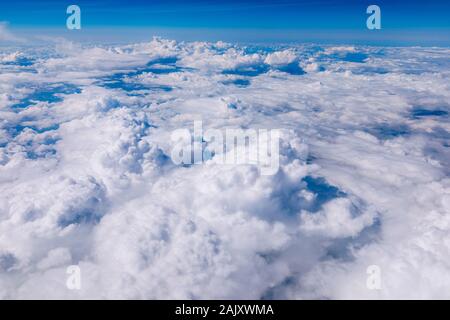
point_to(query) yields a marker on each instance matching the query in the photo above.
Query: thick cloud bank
(86, 177)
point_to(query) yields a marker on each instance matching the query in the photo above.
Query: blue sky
(284, 20)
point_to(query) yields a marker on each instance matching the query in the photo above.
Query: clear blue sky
(409, 21)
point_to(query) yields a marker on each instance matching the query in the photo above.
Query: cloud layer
(86, 177)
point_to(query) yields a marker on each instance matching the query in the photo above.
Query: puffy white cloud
(336, 220)
(281, 57)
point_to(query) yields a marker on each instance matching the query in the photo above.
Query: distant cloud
(6, 35)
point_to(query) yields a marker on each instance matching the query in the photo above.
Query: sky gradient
(409, 22)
